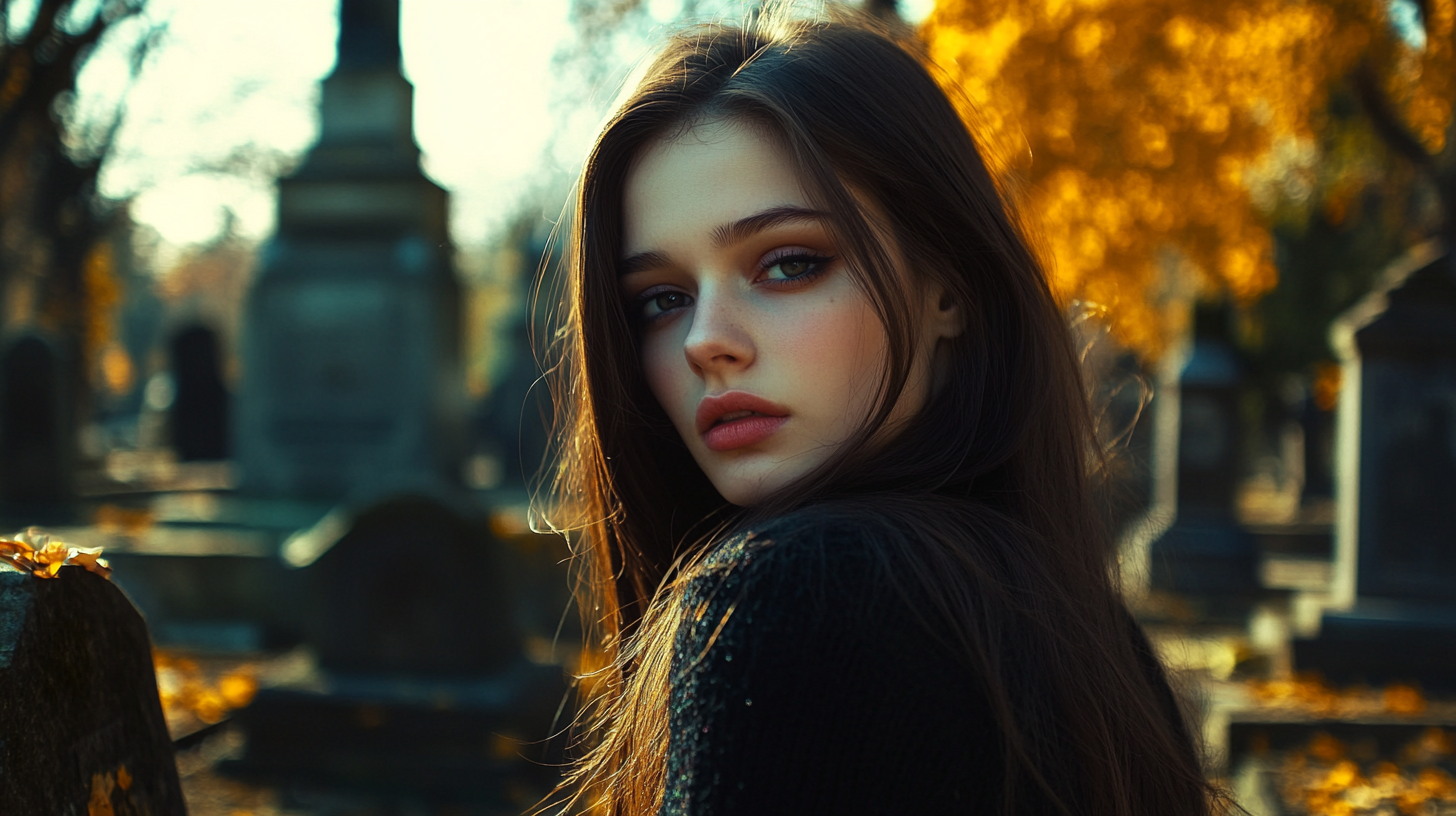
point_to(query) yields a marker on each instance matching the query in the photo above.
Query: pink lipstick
(737, 419)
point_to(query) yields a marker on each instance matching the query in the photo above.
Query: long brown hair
(984, 502)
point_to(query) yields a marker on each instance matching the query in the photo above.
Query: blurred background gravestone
(81, 728)
(198, 420)
(423, 692)
(351, 341)
(1206, 557)
(1395, 573)
(35, 451)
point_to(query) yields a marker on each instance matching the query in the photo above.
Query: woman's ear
(943, 316)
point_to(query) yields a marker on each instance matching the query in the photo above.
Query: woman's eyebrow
(727, 234)
(760, 221)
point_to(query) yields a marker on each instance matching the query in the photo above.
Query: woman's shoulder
(817, 551)
(803, 681)
(826, 576)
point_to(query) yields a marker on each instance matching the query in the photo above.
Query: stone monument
(1206, 553)
(351, 338)
(81, 728)
(198, 416)
(423, 689)
(1393, 615)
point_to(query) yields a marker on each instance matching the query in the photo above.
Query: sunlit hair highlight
(983, 502)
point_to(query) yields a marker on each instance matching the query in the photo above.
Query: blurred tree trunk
(53, 275)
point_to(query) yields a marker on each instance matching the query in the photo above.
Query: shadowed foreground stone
(81, 727)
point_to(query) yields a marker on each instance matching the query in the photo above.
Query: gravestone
(198, 418)
(412, 587)
(36, 456)
(1206, 553)
(351, 369)
(1394, 613)
(81, 727)
(422, 671)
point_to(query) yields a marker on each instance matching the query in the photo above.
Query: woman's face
(755, 340)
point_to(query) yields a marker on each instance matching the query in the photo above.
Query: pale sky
(238, 76)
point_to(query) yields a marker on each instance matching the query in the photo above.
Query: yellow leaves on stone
(35, 552)
(1129, 128)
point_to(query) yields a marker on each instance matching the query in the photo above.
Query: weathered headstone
(1206, 552)
(1395, 571)
(198, 417)
(351, 339)
(421, 664)
(81, 727)
(413, 587)
(35, 451)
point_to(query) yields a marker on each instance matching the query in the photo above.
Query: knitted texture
(803, 683)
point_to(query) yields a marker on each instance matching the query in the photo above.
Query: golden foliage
(1129, 128)
(1322, 781)
(1311, 695)
(189, 692)
(35, 552)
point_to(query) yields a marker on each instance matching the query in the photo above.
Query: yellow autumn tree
(1133, 131)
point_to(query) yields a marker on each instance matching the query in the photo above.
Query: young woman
(828, 440)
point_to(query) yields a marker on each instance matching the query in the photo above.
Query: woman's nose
(719, 339)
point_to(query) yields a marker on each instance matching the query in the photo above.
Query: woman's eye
(660, 303)
(791, 267)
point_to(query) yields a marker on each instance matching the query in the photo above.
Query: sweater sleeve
(802, 684)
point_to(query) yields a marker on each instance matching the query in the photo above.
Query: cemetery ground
(452, 720)
(1284, 743)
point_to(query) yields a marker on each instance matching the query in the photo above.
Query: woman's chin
(750, 486)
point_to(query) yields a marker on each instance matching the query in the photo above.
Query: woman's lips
(740, 433)
(737, 419)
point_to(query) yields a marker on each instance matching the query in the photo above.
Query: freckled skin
(736, 321)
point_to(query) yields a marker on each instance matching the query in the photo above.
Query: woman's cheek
(667, 373)
(833, 357)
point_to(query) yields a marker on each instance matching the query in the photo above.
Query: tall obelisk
(351, 381)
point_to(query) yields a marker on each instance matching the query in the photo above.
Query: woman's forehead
(708, 175)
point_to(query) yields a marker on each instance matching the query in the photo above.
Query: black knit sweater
(803, 683)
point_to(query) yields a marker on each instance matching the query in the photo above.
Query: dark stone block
(199, 415)
(35, 455)
(1300, 540)
(1206, 559)
(413, 587)
(452, 741)
(79, 711)
(1379, 643)
(227, 601)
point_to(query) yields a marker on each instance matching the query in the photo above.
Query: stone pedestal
(1206, 554)
(81, 728)
(1395, 574)
(351, 382)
